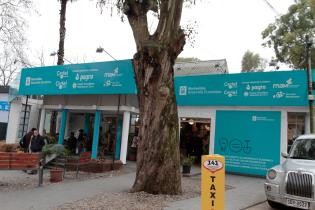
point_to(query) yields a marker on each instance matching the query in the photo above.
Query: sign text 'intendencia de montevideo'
(114, 77)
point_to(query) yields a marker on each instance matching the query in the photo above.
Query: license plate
(297, 203)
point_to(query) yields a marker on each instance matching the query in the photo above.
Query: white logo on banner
(183, 90)
(62, 74)
(28, 81)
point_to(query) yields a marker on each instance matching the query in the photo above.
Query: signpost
(212, 182)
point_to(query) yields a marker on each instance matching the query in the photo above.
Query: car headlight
(272, 174)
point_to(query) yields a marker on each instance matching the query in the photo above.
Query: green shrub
(188, 161)
(57, 149)
(51, 139)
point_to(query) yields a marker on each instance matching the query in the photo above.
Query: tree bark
(158, 169)
(158, 157)
(62, 32)
(60, 54)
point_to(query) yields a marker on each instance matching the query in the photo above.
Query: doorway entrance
(194, 137)
(296, 126)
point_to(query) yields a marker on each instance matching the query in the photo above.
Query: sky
(225, 29)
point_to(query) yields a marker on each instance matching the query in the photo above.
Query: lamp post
(310, 83)
(101, 49)
(53, 54)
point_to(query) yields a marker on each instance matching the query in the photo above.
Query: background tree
(287, 36)
(60, 53)
(8, 67)
(253, 62)
(62, 31)
(158, 160)
(12, 37)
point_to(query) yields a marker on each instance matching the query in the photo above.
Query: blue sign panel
(249, 140)
(116, 77)
(283, 88)
(4, 106)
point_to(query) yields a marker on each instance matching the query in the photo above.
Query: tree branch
(169, 24)
(138, 21)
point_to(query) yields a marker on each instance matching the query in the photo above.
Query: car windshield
(303, 149)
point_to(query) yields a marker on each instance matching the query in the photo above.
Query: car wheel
(273, 204)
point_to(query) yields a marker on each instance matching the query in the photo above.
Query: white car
(292, 183)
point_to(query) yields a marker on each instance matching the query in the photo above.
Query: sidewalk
(241, 192)
(53, 195)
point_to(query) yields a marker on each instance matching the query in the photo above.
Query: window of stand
(296, 127)
(26, 114)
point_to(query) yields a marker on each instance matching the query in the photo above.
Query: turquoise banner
(249, 140)
(283, 88)
(115, 77)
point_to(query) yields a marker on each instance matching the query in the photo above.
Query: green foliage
(51, 139)
(252, 62)
(57, 149)
(287, 36)
(188, 161)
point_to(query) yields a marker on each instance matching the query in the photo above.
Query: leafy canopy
(252, 62)
(287, 36)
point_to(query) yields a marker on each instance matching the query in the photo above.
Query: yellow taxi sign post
(212, 182)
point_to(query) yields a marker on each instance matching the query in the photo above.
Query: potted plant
(51, 152)
(56, 175)
(187, 162)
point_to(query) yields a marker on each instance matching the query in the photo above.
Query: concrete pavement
(241, 193)
(53, 195)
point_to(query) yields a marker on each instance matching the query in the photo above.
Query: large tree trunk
(60, 54)
(158, 169)
(158, 159)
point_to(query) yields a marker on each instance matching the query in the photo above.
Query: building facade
(250, 118)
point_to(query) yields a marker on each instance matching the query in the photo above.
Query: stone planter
(101, 166)
(18, 160)
(56, 175)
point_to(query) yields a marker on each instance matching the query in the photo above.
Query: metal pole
(310, 84)
(114, 142)
(109, 54)
(25, 110)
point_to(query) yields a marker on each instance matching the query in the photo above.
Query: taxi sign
(212, 182)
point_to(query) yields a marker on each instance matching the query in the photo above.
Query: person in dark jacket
(72, 142)
(80, 142)
(25, 141)
(36, 143)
